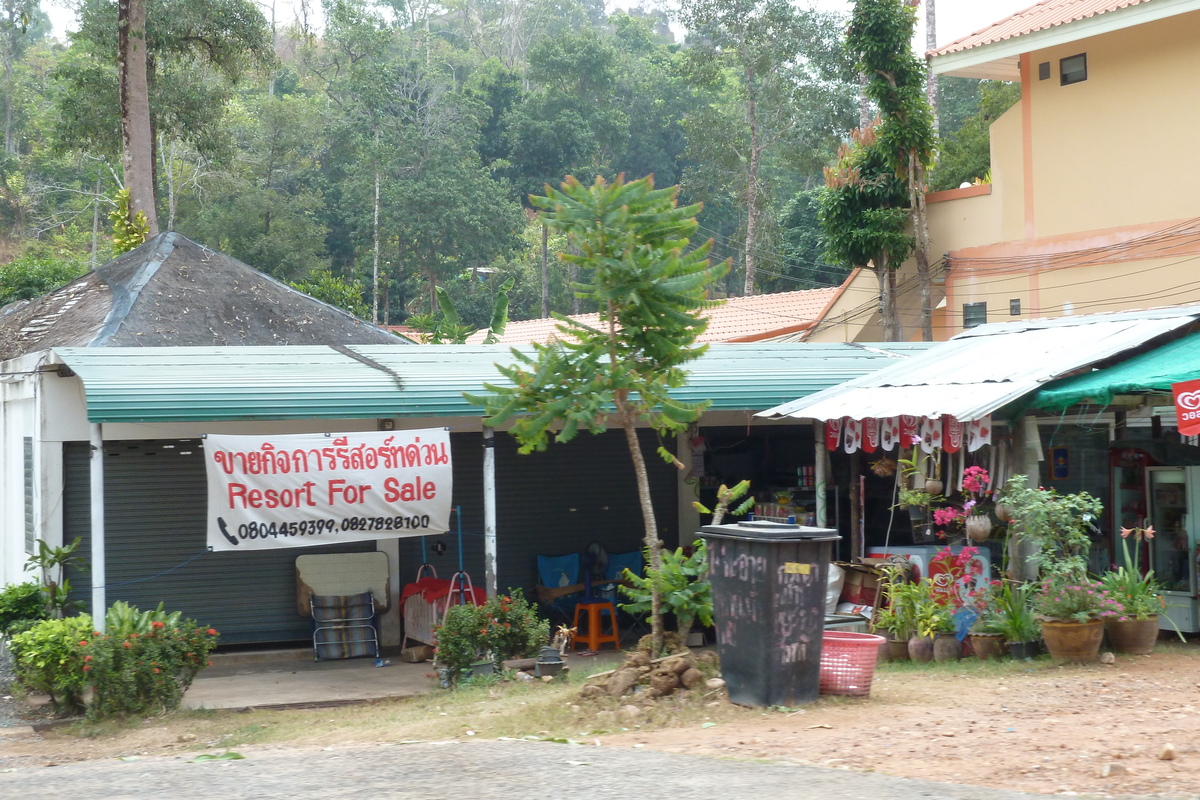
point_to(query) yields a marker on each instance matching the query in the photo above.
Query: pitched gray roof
(172, 291)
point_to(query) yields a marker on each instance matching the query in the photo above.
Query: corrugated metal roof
(1040, 16)
(362, 381)
(737, 319)
(987, 367)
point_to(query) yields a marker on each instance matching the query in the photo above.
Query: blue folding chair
(554, 574)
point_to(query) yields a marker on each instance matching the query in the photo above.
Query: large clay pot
(987, 645)
(1073, 642)
(920, 649)
(934, 486)
(1135, 636)
(946, 647)
(1004, 512)
(897, 649)
(979, 527)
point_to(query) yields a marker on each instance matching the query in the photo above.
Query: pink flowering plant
(976, 497)
(1138, 593)
(1065, 599)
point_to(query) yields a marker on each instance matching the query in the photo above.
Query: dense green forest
(398, 145)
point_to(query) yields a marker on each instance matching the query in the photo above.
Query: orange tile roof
(1038, 17)
(738, 319)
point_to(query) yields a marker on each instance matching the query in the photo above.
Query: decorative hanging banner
(1187, 407)
(833, 433)
(931, 434)
(979, 433)
(952, 439)
(853, 437)
(889, 432)
(870, 435)
(908, 429)
(308, 489)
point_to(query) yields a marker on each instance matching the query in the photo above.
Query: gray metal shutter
(549, 503)
(154, 513)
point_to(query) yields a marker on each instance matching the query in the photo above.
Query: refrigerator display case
(1171, 492)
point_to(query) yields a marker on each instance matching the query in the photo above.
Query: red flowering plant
(958, 584)
(144, 661)
(504, 627)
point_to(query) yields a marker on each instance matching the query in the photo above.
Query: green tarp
(1154, 371)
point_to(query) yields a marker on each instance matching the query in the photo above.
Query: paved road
(469, 771)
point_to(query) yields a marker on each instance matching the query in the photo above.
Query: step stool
(595, 635)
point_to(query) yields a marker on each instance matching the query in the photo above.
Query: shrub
(504, 627)
(145, 662)
(21, 604)
(48, 659)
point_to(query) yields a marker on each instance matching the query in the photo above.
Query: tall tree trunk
(96, 226)
(653, 545)
(920, 223)
(885, 301)
(751, 192)
(864, 103)
(931, 81)
(136, 133)
(545, 273)
(894, 331)
(10, 46)
(375, 255)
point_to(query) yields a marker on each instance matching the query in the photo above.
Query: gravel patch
(10, 709)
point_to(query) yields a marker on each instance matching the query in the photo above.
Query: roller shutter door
(154, 512)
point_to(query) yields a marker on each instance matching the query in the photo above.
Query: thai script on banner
(309, 489)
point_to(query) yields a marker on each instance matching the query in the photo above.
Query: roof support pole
(489, 510)
(820, 464)
(99, 603)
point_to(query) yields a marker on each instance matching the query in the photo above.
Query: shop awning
(986, 368)
(160, 384)
(1151, 372)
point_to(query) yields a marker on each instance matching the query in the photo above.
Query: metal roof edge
(123, 297)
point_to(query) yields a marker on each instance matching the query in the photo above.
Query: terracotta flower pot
(920, 649)
(1073, 642)
(1135, 636)
(946, 647)
(987, 645)
(897, 649)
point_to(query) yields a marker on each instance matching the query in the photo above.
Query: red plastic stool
(595, 635)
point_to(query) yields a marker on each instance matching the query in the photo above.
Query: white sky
(955, 18)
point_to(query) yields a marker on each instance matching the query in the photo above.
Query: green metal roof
(1151, 372)
(169, 384)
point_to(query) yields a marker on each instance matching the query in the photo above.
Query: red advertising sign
(1187, 407)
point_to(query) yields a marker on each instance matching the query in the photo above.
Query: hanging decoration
(908, 428)
(853, 437)
(931, 434)
(870, 435)
(979, 433)
(889, 432)
(833, 433)
(952, 438)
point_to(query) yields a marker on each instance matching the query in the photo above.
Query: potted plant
(1056, 524)
(1015, 620)
(1136, 629)
(895, 617)
(1073, 612)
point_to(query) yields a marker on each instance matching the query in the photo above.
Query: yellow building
(1094, 204)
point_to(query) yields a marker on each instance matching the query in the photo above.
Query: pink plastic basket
(848, 662)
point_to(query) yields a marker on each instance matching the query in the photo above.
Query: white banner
(309, 489)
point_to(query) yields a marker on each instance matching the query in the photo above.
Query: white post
(820, 472)
(489, 510)
(99, 605)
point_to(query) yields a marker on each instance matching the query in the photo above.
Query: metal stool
(595, 635)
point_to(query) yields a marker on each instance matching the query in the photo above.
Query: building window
(1044, 71)
(1073, 69)
(30, 533)
(1014, 307)
(974, 314)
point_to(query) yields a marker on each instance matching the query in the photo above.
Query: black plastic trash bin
(768, 583)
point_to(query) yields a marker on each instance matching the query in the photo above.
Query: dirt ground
(1029, 726)
(1098, 729)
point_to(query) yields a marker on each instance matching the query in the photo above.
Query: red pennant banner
(952, 440)
(833, 433)
(1187, 407)
(908, 429)
(870, 435)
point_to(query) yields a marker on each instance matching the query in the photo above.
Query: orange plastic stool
(595, 635)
